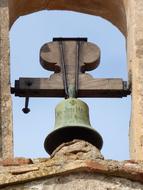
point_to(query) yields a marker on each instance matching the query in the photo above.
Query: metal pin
(26, 109)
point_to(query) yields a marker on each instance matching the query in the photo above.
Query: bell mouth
(66, 134)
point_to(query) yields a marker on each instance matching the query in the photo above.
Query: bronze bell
(72, 122)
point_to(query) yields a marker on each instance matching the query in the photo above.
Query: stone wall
(135, 59)
(6, 133)
(78, 181)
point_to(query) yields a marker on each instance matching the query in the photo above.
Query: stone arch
(112, 10)
(115, 11)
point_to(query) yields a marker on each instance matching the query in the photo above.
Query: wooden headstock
(70, 51)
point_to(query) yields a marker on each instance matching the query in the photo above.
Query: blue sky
(110, 117)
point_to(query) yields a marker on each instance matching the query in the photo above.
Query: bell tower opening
(109, 116)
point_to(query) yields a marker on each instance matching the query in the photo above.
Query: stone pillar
(6, 137)
(135, 58)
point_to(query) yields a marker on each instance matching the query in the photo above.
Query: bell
(72, 122)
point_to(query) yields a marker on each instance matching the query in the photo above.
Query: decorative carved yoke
(69, 59)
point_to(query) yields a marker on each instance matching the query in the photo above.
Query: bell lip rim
(87, 128)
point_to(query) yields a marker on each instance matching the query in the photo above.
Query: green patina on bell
(72, 122)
